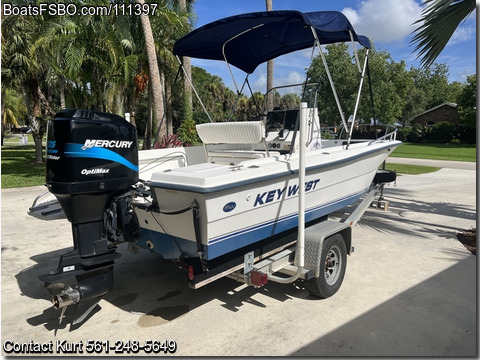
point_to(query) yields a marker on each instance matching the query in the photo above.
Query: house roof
(453, 105)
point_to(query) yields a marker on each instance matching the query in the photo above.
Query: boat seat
(231, 133)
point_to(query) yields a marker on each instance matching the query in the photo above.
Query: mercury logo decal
(119, 144)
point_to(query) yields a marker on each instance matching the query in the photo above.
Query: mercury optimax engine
(92, 163)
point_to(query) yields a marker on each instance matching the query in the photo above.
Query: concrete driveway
(409, 290)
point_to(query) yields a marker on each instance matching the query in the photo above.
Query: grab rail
(391, 136)
(338, 132)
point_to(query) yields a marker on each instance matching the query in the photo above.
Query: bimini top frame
(247, 40)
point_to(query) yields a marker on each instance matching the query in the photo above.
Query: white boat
(243, 186)
(252, 199)
(238, 199)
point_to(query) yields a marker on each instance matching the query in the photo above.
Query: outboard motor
(92, 163)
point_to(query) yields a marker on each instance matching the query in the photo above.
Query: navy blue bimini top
(254, 38)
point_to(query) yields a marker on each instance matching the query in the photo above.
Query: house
(443, 112)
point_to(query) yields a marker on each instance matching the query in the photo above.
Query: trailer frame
(259, 267)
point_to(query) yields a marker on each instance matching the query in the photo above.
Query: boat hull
(236, 210)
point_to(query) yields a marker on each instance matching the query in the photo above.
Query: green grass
(19, 168)
(411, 169)
(455, 152)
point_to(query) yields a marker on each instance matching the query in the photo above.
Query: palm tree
(155, 81)
(49, 45)
(439, 21)
(168, 24)
(79, 61)
(22, 70)
(14, 108)
(187, 62)
(93, 59)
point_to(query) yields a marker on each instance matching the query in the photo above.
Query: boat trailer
(327, 242)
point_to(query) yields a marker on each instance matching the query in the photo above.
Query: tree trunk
(31, 94)
(147, 141)
(270, 96)
(187, 64)
(154, 73)
(166, 124)
(169, 109)
(1, 120)
(61, 86)
(38, 130)
(37, 122)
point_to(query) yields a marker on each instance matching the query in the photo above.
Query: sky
(388, 23)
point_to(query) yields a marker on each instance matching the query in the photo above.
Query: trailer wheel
(333, 263)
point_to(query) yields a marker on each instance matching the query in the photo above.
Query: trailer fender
(315, 237)
(332, 263)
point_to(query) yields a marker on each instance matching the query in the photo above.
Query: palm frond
(439, 21)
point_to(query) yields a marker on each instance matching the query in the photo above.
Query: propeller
(63, 295)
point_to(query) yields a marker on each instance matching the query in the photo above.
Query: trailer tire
(332, 269)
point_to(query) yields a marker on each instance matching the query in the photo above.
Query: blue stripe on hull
(168, 246)
(249, 236)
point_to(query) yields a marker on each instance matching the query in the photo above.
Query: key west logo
(276, 194)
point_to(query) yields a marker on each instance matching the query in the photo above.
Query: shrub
(187, 133)
(467, 134)
(411, 134)
(169, 141)
(327, 135)
(416, 133)
(403, 134)
(442, 132)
